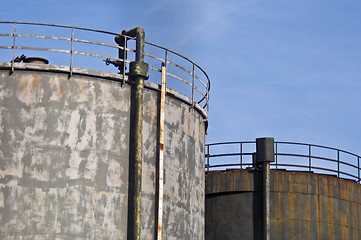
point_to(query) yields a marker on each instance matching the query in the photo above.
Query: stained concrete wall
(64, 155)
(303, 206)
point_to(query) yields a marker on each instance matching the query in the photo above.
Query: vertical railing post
(71, 52)
(241, 154)
(338, 163)
(208, 95)
(193, 86)
(166, 58)
(208, 158)
(12, 61)
(124, 58)
(358, 169)
(121, 40)
(276, 154)
(309, 158)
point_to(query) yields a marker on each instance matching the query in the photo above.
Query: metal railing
(188, 81)
(288, 156)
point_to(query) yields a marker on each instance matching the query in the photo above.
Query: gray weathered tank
(66, 141)
(317, 197)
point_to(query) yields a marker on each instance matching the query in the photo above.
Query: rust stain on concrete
(152, 113)
(30, 83)
(60, 92)
(188, 125)
(83, 87)
(233, 181)
(29, 91)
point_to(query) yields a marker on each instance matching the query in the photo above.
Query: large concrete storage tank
(317, 197)
(65, 132)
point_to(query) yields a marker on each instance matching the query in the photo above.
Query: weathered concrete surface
(183, 215)
(64, 148)
(303, 206)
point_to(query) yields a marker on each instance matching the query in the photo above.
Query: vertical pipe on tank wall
(136, 157)
(266, 200)
(265, 155)
(138, 72)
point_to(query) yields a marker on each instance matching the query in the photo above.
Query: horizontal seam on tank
(310, 194)
(43, 234)
(65, 148)
(181, 170)
(226, 193)
(56, 185)
(313, 194)
(54, 70)
(323, 222)
(258, 191)
(148, 85)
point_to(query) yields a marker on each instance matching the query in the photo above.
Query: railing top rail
(284, 142)
(320, 146)
(348, 165)
(204, 82)
(62, 26)
(176, 53)
(231, 142)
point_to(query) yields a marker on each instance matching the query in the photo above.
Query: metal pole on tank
(265, 155)
(161, 151)
(138, 72)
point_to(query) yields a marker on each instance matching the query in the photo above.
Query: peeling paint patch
(74, 162)
(108, 125)
(72, 129)
(91, 166)
(29, 93)
(114, 174)
(5, 93)
(2, 200)
(57, 91)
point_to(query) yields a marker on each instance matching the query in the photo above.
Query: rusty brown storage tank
(65, 139)
(314, 193)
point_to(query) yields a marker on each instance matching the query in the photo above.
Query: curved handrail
(199, 85)
(288, 155)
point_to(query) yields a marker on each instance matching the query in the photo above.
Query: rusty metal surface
(262, 158)
(196, 78)
(266, 193)
(303, 206)
(64, 152)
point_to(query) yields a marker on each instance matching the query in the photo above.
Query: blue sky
(284, 69)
